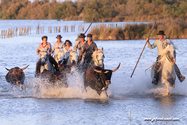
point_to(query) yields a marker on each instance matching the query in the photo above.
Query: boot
(179, 75)
(156, 74)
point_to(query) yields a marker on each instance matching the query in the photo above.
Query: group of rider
(86, 48)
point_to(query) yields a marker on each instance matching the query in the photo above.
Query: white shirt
(58, 48)
(66, 52)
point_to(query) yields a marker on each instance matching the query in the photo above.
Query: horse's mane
(163, 59)
(72, 51)
(96, 53)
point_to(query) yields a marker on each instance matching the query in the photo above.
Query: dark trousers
(88, 58)
(156, 69)
(177, 71)
(52, 61)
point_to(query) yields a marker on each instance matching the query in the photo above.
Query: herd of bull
(95, 76)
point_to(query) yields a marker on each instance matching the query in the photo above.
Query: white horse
(166, 71)
(71, 61)
(73, 58)
(98, 58)
(45, 63)
(58, 55)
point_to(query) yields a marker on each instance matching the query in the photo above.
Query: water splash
(44, 89)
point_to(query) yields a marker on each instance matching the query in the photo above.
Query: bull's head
(16, 75)
(106, 75)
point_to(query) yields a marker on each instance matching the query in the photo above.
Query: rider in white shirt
(58, 48)
(66, 51)
(161, 44)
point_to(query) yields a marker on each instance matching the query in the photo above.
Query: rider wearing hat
(57, 46)
(79, 44)
(88, 48)
(161, 44)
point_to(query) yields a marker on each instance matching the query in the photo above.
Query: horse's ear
(102, 48)
(97, 49)
(71, 50)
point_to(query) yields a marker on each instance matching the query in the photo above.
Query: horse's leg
(167, 87)
(167, 92)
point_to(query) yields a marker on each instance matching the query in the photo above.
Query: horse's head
(169, 53)
(98, 57)
(73, 58)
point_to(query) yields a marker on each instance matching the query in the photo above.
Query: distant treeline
(174, 29)
(102, 10)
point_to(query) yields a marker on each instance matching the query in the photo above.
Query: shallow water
(130, 101)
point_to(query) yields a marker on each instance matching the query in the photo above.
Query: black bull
(98, 78)
(16, 76)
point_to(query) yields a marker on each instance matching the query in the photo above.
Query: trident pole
(143, 49)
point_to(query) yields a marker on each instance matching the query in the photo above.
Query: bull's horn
(102, 48)
(7, 69)
(116, 68)
(98, 71)
(25, 67)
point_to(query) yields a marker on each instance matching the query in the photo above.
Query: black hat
(59, 36)
(82, 35)
(44, 37)
(89, 35)
(161, 32)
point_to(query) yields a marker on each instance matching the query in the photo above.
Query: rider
(79, 44)
(46, 45)
(57, 46)
(161, 44)
(66, 51)
(88, 48)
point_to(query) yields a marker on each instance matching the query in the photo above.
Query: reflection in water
(99, 101)
(167, 101)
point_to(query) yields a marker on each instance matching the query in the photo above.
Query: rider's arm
(53, 49)
(50, 49)
(83, 47)
(38, 50)
(76, 45)
(95, 46)
(152, 46)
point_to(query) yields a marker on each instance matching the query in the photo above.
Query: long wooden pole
(89, 26)
(143, 49)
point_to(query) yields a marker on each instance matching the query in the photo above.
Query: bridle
(98, 60)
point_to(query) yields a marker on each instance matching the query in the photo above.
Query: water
(131, 99)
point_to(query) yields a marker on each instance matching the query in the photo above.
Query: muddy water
(130, 101)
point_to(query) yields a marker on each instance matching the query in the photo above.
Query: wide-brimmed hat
(89, 35)
(161, 32)
(59, 36)
(82, 35)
